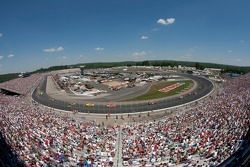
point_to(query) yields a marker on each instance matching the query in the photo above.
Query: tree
(145, 63)
(199, 66)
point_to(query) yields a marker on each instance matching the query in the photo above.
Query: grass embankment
(7, 77)
(154, 92)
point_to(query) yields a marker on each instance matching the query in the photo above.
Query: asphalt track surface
(204, 86)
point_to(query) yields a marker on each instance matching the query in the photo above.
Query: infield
(155, 90)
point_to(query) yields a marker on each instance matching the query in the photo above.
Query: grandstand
(124, 83)
(211, 133)
(21, 86)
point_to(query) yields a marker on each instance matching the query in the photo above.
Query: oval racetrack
(204, 86)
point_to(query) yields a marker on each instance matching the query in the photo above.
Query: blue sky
(35, 34)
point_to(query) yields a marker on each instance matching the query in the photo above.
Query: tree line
(162, 63)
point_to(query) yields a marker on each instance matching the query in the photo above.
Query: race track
(204, 87)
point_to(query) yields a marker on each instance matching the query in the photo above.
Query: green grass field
(154, 92)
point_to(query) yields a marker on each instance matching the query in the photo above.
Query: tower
(82, 69)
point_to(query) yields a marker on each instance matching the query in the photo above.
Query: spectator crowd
(204, 135)
(22, 85)
(42, 138)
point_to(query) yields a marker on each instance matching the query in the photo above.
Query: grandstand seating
(204, 135)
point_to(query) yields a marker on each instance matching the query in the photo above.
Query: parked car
(89, 104)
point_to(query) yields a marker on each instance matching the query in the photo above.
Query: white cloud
(60, 48)
(56, 49)
(64, 57)
(49, 50)
(139, 55)
(10, 55)
(144, 37)
(229, 51)
(239, 60)
(99, 49)
(167, 21)
(1, 57)
(1, 34)
(142, 53)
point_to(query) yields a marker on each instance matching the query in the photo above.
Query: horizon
(42, 34)
(105, 62)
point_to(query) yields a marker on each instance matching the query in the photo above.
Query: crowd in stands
(22, 85)
(203, 136)
(42, 138)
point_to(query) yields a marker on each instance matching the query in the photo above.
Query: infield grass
(154, 93)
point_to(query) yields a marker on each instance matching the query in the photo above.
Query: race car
(89, 104)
